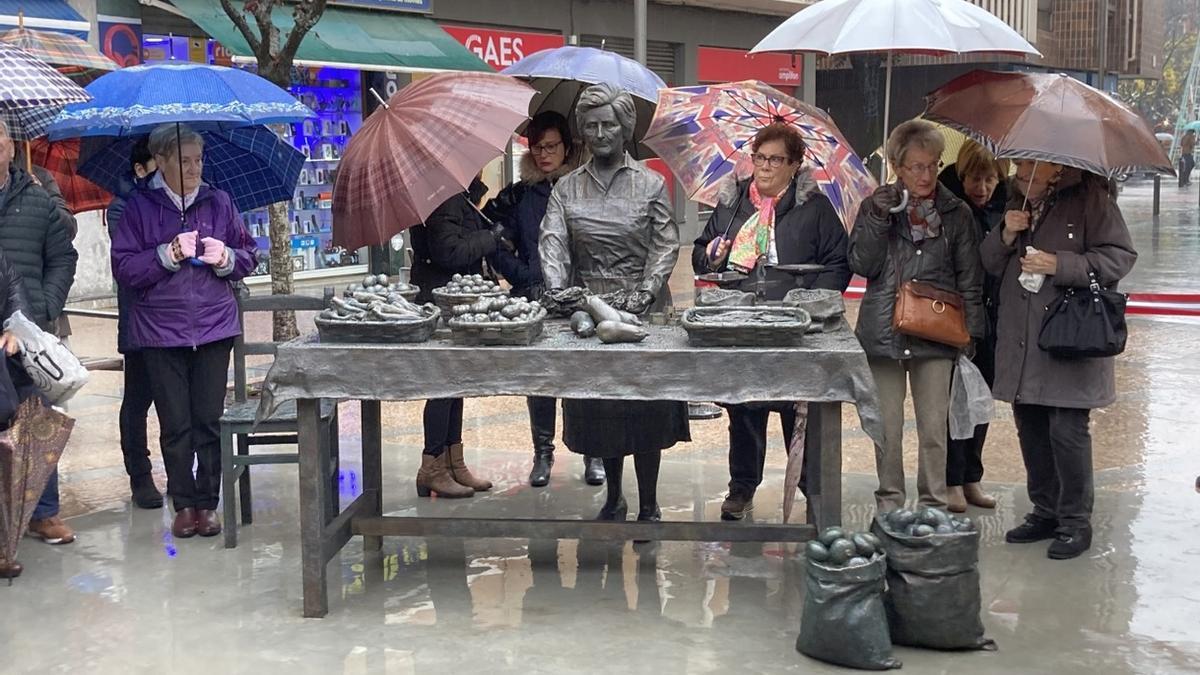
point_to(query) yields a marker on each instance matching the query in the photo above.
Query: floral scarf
(756, 235)
(924, 221)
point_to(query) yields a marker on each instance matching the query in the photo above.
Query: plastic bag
(844, 621)
(933, 597)
(971, 402)
(51, 366)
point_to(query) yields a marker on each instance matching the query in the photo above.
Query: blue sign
(424, 6)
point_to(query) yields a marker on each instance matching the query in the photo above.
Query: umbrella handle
(903, 203)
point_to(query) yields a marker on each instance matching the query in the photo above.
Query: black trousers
(443, 419)
(189, 394)
(1189, 162)
(1057, 448)
(748, 442)
(135, 406)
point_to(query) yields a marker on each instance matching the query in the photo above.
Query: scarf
(924, 221)
(757, 234)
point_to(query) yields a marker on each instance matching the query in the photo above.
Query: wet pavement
(126, 598)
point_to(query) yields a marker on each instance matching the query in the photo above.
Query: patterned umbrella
(252, 164)
(30, 83)
(134, 100)
(424, 147)
(29, 451)
(26, 124)
(58, 49)
(61, 159)
(704, 134)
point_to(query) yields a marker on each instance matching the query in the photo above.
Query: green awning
(350, 38)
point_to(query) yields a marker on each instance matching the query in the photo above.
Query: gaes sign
(502, 48)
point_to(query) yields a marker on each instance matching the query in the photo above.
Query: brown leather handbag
(928, 312)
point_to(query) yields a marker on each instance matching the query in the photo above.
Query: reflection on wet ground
(126, 598)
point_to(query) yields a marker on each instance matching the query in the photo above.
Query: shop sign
(502, 48)
(121, 39)
(424, 6)
(716, 64)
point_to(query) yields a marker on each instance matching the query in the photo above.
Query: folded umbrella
(704, 134)
(29, 452)
(253, 164)
(427, 144)
(1049, 118)
(560, 75)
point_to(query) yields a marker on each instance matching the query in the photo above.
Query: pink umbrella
(426, 144)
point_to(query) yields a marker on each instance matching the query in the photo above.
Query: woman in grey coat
(1071, 220)
(933, 240)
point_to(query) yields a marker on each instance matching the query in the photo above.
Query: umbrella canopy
(29, 451)
(1048, 117)
(26, 124)
(428, 143)
(136, 99)
(1192, 126)
(704, 134)
(58, 49)
(559, 75)
(906, 26)
(61, 159)
(252, 164)
(31, 83)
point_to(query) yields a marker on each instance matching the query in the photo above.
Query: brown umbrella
(29, 451)
(1050, 118)
(423, 147)
(795, 460)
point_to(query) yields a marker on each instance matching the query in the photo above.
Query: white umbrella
(936, 27)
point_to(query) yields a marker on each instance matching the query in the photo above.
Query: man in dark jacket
(454, 239)
(36, 240)
(137, 397)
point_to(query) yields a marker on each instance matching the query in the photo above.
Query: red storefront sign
(716, 64)
(502, 48)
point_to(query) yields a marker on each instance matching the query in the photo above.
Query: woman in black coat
(519, 208)
(806, 229)
(980, 180)
(455, 239)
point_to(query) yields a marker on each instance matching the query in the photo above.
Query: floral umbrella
(704, 133)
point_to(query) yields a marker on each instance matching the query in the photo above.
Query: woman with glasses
(519, 208)
(778, 216)
(932, 239)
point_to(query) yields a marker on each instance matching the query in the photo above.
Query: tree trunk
(283, 324)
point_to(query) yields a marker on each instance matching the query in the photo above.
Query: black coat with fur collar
(807, 230)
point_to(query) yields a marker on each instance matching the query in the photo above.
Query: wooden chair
(238, 430)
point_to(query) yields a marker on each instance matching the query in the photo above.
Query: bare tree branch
(242, 26)
(306, 15)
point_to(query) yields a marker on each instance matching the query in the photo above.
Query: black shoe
(540, 475)
(737, 505)
(1033, 529)
(648, 515)
(1067, 545)
(593, 471)
(145, 494)
(617, 512)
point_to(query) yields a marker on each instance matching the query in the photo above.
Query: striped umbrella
(58, 49)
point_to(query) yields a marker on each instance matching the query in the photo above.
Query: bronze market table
(828, 369)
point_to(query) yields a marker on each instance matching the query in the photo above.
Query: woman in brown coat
(1075, 226)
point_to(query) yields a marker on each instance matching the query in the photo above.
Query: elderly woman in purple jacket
(180, 247)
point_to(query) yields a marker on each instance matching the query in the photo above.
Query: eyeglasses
(775, 161)
(920, 169)
(545, 148)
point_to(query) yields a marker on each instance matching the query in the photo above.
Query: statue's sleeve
(664, 243)
(554, 242)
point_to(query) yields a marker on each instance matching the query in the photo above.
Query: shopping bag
(971, 402)
(52, 367)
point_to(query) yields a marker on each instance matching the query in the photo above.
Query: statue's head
(606, 117)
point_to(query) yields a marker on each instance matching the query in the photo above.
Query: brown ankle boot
(955, 502)
(975, 496)
(435, 477)
(459, 471)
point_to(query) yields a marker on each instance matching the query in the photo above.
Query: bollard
(1157, 191)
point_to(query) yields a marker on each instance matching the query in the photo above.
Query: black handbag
(1085, 323)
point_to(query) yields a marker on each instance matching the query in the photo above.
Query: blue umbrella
(559, 75)
(136, 99)
(252, 164)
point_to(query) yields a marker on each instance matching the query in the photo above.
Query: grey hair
(600, 95)
(4, 131)
(166, 139)
(914, 133)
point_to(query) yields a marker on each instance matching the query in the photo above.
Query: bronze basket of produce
(496, 321)
(825, 306)
(353, 320)
(380, 284)
(465, 289)
(757, 326)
